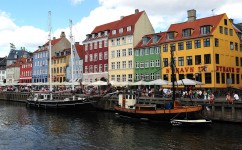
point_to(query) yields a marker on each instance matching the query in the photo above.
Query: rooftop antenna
(212, 11)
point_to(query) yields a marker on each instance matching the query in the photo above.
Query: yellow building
(207, 50)
(59, 65)
(124, 36)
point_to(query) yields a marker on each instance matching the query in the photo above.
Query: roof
(196, 24)
(105, 27)
(150, 43)
(18, 63)
(125, 22)
(80, 50)
(19, 53)
(53, 42)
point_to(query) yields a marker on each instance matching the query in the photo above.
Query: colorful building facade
(207, 50)
(26, 71)
(124, 36)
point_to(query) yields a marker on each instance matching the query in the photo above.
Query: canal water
(25, 128)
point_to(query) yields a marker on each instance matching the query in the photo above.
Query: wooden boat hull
(160, 114)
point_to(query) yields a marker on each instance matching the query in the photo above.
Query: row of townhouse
(206, 49)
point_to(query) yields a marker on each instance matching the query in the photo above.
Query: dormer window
(121, 30)
(145, 40)
(205, 29)
(93, 35)
(155, 38)
(114, 32)
(99, 34)
(129, 28)
(170, 36)
(186, 32)
(106, 33)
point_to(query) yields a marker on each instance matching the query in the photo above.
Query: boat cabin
(127, 100)
(41, 96)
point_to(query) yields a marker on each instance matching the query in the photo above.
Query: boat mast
(172, 65)
(50, 63)
(71, 38)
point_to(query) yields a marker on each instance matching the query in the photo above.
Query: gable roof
(105, 27)
(196, 24)
(17, 63)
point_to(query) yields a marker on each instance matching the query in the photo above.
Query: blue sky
(25, 22)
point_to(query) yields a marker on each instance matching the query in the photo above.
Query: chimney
(62, 34)
(191, 15)
(121, 17)
(136, 11)
(231, 20)
(54, 38)
(76, 43)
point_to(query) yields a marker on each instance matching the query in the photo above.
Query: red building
(26, 71)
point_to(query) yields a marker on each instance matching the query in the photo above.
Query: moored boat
(128, 107)
(190, 122)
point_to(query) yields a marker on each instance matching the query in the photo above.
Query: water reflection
(22, 128)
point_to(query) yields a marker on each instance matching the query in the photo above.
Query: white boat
(190, 122)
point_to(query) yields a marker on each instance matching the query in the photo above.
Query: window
(129, 28)
(100, 56)
(100, 68)
(207, 59)
(157, 50)
(157, 63)
(137, 77)
(221, 29)
(123, 40)
(118, 78)
(240, 62)
(95, 45)
(165, 61)
(130, 51)
(95, 57)
(91, 57)
(170, 36)
(100, 44)
(146, 51)
(208, 79)
(205, 30)
(231, 46)
(113, 65)
(152, 63)
(90, 69)
(106, 43)
(137, 52)
(231, 32)
(147, 64)
(130, 64)
(165, 48)
(106, 67)
(142, 52)
(206, 42)
(118, 53)
(189, 60)
(124, 52)
(236, 46)
(237, 61)
(225, 21)
(118, 41)
(121, 30)
(105, 55)
(217, 77)
(118, 65)
(130, 39)
(197, 43)
(152, 50)
(189, 45)
(130, 77)
(95, 68)
(124, 77)
(113, 42)
(216, 42)
(186, 32)
(180, 46)
(124, 64)
(225, 31)
(141, 65)
(90, 46)
(180, 61)
(217, 58)
(114, 32)
(136, 64)
(152, 76)
(112, 77)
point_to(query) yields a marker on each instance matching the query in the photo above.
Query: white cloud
(75, 2)
(24, 36)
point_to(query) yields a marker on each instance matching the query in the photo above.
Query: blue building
(40, 65)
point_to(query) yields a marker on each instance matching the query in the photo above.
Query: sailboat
(47, 100)
(129, 106)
